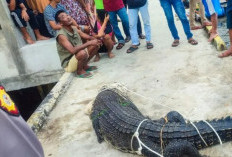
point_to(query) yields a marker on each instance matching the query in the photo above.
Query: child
(104, 31)
(21, 14)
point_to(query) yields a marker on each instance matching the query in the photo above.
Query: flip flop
(131, 49)
(85, 75)
(120, 45)
(149, 46)
(91, 68)
(192, 42)
(175, 43)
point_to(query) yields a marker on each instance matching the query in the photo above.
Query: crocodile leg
(181, 148)
(174, 116)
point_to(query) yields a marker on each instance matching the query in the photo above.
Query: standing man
(180, 11)
(74, 55)
(139, 26)
(134, 7)
(114, 8)
(16, 138)
(204, 20)
(213, 18)
(229, 26)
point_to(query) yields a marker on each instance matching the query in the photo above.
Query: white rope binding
(198, 133)
(214, 131)
(136, 134)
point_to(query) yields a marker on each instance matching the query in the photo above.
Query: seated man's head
(63, 18)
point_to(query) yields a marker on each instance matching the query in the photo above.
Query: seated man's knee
(82, 55)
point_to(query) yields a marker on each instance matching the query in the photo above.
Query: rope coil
(136, 135)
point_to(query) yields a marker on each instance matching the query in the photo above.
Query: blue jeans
(180, 11)
(125, 23)
(133, 18)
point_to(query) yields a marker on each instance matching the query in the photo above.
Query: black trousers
(19, 22)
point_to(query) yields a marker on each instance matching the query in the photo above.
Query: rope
(214, 131)
(161, 135)
(198, 133)
(136, 134)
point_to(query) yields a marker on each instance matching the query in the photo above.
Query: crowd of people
(85, 28)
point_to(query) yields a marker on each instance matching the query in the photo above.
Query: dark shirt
(18, 2)
(133, 4)
(229, 5)
(113, 5)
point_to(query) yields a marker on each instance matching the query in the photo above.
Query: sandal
(131, 49)
(192, 41)
(175, 43)
(225, 54)
(120, 45)
(149, 46)
(85, 75)
(141, 36)
(127, 39)
(91, 68)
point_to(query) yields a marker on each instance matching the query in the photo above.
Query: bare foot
(207, 23)
(111, 55)
(29, 40)
(226, 53)
(42, 38)
(196, 27)
(97, 58)
(212, 36)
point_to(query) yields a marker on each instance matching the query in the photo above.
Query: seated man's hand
(25, 15)
(94, 42)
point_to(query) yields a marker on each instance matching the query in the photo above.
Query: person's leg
(109, 45)
(213, 31)
(117, 32)
(21, 23)
(180, 11)
(133, 19)
(139, 27)
(192, 7)
(92, 50)
(35, 26)
(146, 20)
(229, 26)
(204, 20)
(125, 22)
(166, 5)
(213, 18)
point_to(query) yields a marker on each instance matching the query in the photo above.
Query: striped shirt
(49, 15)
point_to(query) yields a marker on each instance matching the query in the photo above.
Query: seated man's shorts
(72, 65)
(210, 7)
(229, 20)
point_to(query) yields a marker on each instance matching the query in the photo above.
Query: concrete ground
(189, 79)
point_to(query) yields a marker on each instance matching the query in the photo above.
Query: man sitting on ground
(73, 53)
(49, 16)
(21, 14)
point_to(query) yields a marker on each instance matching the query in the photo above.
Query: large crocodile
(117, 120)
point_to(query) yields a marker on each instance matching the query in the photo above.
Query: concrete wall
(25, 65)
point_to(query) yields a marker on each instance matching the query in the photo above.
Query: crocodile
(119, 122)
